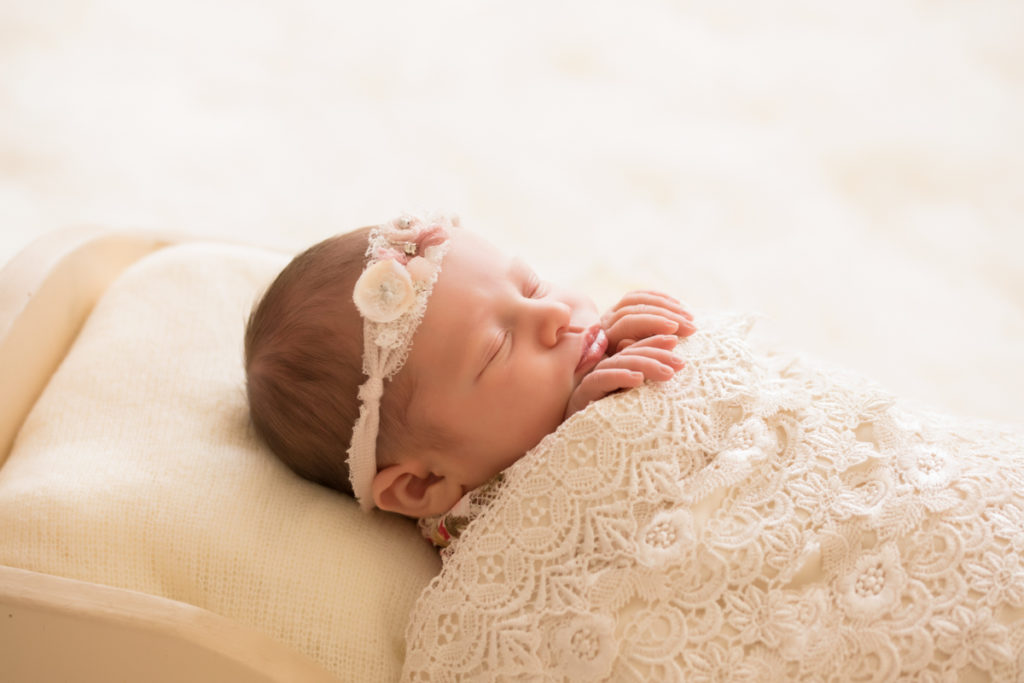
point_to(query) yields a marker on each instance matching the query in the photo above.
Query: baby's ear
(410, 489)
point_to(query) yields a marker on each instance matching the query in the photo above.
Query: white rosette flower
(874, 586)
(384, 291)
(749, 440)
(666, 539)
(927, 467)
(584, 647)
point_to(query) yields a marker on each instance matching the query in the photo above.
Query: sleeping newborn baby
(623, 497)
(497, 361)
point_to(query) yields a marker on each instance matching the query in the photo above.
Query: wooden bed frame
(58, 629)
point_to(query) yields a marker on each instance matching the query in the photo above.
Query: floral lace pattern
(755, 518)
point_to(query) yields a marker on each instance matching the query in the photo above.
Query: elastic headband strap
(391, 295)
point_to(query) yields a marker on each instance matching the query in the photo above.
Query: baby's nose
(554, 320)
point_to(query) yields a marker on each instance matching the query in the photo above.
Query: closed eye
(495, 349)
(535, 287)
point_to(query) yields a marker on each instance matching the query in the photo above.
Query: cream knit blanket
(756, 518)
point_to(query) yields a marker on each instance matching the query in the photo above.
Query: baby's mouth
(594, 344)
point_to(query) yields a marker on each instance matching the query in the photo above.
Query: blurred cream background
(853, 171)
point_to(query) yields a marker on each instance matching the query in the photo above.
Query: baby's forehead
(475, 256)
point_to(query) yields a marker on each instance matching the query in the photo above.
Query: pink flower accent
(417, 236)
(430, 237)
(390, 254)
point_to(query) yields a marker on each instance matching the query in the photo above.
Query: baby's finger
(656, 364)
(652, 363)
(660, 341)
(648, 305)
(668, 321)
(599, 383)
(650, 358)
(652, 369)
(638, 325)
(604, 380)
(666, 356)
(655, 298)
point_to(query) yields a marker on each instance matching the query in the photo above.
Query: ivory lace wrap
(756, 518)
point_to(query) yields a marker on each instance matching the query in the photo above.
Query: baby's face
(497, 356)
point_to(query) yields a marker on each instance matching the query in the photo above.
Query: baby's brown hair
(303, 364)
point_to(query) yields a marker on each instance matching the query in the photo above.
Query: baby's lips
(594, 345)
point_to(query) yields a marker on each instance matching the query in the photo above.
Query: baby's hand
(643, 314)
(651, 358)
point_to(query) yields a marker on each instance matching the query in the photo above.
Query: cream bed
(850, 170)
(144, 532)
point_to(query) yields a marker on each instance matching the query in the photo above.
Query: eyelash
(534, 287)
(501, 347)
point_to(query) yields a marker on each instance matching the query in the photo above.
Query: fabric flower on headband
(387, 288)
(384, 291)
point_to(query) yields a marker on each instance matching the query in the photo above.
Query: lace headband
(391, 294)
